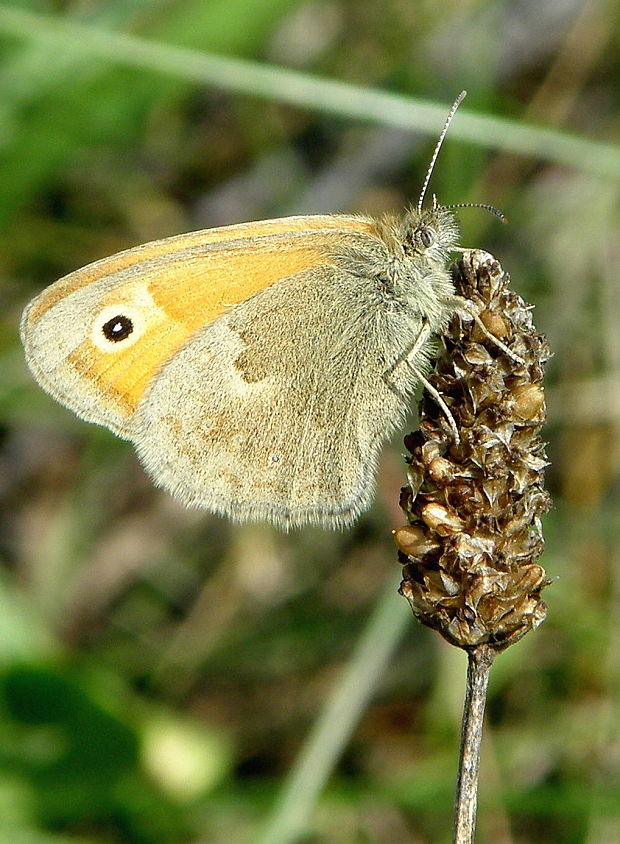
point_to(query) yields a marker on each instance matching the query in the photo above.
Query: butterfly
(257, 368)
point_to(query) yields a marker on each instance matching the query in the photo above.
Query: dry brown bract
(474, 507)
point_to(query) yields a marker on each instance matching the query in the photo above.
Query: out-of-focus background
(161, 671)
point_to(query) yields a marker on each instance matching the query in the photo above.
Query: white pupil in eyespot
(117, 328)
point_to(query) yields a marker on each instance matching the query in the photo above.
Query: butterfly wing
(245, 363)
(169, 290)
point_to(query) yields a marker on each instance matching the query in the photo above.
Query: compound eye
(117, 327)
(427, 237)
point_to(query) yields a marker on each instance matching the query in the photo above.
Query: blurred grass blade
(304, 90)
(338, 719)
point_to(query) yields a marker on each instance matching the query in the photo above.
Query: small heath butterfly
(257, 368)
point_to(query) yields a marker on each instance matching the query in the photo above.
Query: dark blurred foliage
(160, 668)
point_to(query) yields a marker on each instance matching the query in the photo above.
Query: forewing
(171, 289)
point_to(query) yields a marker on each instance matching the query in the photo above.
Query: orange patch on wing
(199, 289)
(280, 234)
(122, 377)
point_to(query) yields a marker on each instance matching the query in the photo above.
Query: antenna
(429, 172)
(490, 208)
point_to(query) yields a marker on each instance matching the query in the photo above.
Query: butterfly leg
(466, 306)
(438, 399)
(417, 352)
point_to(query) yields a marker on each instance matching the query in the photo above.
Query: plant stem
(479, 664)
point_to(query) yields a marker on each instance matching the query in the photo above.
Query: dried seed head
(412, 540)
(474, 507)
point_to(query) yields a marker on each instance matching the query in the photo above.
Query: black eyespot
(427, 237)
(118, 328)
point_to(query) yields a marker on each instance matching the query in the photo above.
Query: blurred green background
(161, 672)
